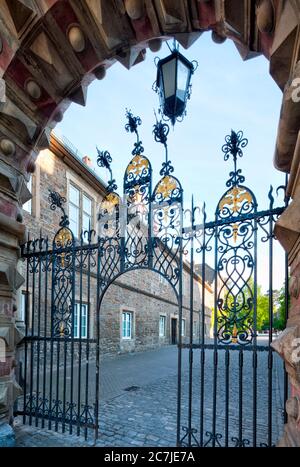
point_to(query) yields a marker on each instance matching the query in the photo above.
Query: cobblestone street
(145, 415)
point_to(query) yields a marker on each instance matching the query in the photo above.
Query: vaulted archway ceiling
(51, 50)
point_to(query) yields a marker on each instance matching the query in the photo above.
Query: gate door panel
(233, 389)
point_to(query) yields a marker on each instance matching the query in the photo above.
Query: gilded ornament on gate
(235, 229)
(234, 334)
(63, 238)
(166, 187)
(138, 165)
(235, 198)
(110, 202)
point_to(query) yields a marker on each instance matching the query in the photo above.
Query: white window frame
(81, 212)
(24, 302)
(78, 334)
(165, 325)
(183, 327)
(70, 203)
(28, 205)
(131, 314)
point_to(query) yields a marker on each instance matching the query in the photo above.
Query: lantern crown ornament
(173, 84)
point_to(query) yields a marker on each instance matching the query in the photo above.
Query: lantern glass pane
(161, 87)
(182, 80)
(169, 78)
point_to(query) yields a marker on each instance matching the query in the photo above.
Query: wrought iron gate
(234, 389)
(218, 402)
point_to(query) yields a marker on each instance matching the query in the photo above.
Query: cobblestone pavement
(146, 416)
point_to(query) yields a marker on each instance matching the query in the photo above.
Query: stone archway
(51, 50)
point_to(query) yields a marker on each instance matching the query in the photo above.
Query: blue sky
(227, 94)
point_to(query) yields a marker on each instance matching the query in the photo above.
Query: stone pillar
(13, 192)
(287, 231)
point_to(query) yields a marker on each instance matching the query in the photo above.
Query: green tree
(262, 310)
(226, 318)
(279, 319)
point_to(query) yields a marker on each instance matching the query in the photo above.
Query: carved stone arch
(102, 33)
(119, 31)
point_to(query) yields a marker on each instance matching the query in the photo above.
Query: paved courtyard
(145, 415)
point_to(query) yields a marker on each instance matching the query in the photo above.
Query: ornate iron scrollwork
(145, 230)
(104, 159)
(235, 247)
(137, 192)
(57, 201)
(62, 272)
(132, 127)
(167, 200)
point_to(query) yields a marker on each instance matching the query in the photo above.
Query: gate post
(13, 193)
(287, 230)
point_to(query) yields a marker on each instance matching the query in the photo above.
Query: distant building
(209, 273)
(139, 310)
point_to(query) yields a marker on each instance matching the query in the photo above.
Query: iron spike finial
(132, 127)
(271, 197)
(160, 132)
(57, 201)
(234, 143)
(104, 159)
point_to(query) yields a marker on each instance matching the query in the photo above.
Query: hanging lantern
(173, 84)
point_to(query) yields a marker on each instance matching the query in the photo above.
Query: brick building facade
(139, 310)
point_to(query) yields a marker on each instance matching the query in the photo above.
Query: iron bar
(53, 262)
(45, 331)
(98, 308)
(215, 354)
(190, 403)
(73, 340)
(202, 341)
(79, 324)
(254, 361)
(270, 354)
(227, 395)
(33, 266)
(240, 402)
(26, 332)
(286, 306)
(88, 324)
(179, 345)
(57, 397)
(39, 272)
